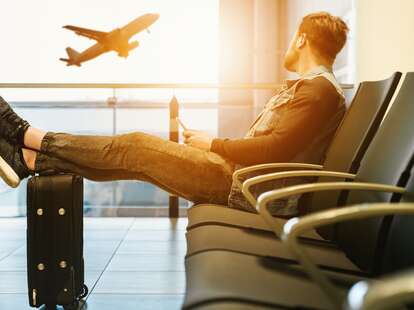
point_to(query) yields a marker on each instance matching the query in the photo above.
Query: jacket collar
(310, 74)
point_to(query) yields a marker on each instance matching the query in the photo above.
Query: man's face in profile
(292, 54)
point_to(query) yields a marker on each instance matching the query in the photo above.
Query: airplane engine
(133, 45)
(130, 46)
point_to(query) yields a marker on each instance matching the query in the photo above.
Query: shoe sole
(8, 175)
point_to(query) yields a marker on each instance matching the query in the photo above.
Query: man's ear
(301, 41)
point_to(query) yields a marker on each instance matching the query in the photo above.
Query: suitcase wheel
(73, 306)
(84, 293)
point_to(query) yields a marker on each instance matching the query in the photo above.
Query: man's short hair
(326, 33)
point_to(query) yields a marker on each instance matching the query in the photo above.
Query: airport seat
(390, 292)
(391, 162)
(227, 280)
(395, 152)
(347, 148)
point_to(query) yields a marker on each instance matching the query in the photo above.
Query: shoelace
(10, 116)
(17, 123)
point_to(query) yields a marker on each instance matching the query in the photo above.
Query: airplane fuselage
(116, 40)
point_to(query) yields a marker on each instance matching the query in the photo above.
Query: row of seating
(356, 224)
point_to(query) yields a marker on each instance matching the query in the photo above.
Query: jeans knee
(131, 138)
(127, 149)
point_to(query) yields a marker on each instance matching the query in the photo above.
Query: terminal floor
(131, 263)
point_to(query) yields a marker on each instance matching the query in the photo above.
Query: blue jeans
(188, 172)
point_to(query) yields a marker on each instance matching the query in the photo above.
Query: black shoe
(12, 165)
(12, 127)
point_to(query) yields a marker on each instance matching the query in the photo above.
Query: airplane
(116, 40)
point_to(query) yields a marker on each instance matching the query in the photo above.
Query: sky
(182, 46)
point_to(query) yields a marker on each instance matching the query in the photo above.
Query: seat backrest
(358, 128)
(388, 156)
(360, 124)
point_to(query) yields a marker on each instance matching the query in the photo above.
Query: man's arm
(312, 106)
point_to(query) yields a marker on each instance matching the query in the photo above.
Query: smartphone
(181, 123)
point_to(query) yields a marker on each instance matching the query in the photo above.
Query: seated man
(296, 125)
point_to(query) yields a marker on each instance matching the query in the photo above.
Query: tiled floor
(131, 263)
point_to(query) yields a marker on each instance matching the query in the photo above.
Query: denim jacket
(312, 152)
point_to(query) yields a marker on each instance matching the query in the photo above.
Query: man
(296, 125)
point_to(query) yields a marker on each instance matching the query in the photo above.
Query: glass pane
(108, 197)
(181, 47)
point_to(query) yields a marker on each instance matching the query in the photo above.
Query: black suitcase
(55, 263)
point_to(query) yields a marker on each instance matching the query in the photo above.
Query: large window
(181, 47)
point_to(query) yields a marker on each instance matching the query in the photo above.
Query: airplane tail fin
(71, 53)
(72, 57)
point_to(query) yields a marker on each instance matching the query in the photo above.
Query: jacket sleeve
(309, 109)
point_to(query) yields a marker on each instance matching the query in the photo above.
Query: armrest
(238, 173)
(296, 226)
(288, 174)
(387, 293)
(265, 198)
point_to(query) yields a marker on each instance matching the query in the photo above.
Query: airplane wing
(89, 33)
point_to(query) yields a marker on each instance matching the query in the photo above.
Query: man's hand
(198, 139)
